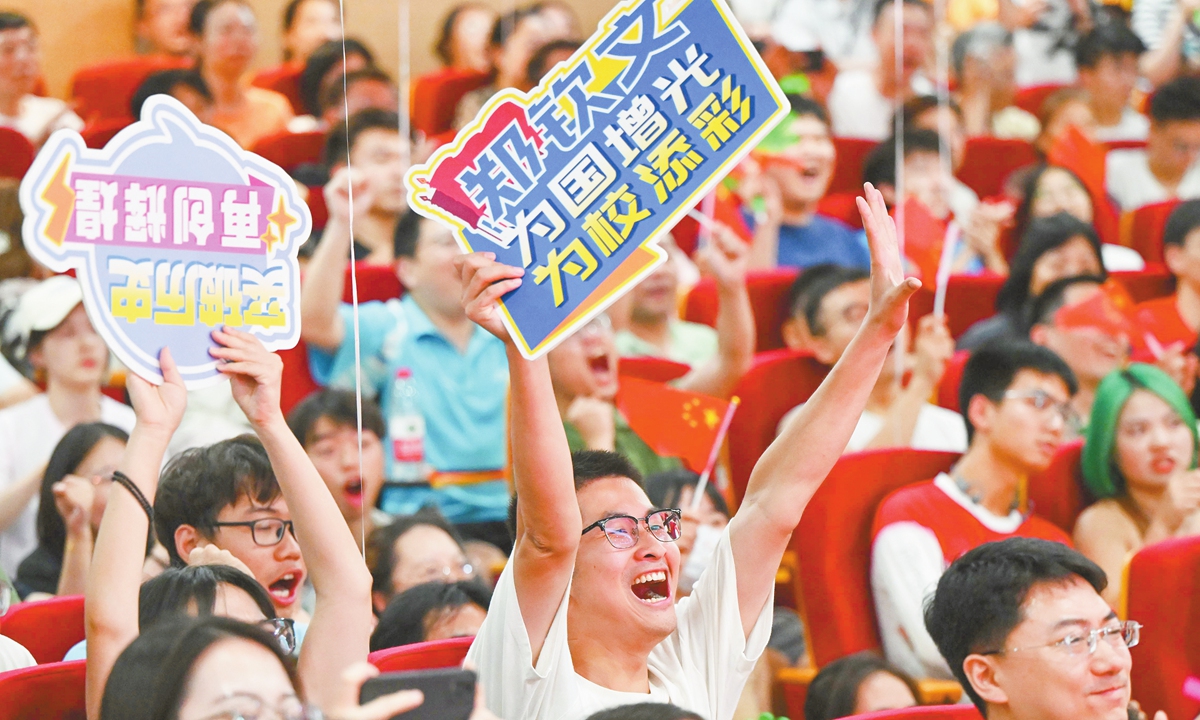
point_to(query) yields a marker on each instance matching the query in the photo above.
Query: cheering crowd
(241, 549)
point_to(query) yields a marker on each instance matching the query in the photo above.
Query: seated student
(1107, 60)
(186, 86)
(855, 684)
(896, 415)
(862, 99)
(325, 66)
(432, 611)
(458, 371)
(1139, 461)
(369, 88)
(411, 550)
(463, 40)
(326, 424)
(1052, 248)
(162, 27)
(307, 24)
(1167, 168)
(252, 483)
(1016, 399)
(559, 19)
(48, 335)
(795, 330)
(1023, 626)
(74, 492)
(1176, 318)
(546, 58)
(589, 540)
(797, 160)
(983, 60)
(33, 116)
(516, 36)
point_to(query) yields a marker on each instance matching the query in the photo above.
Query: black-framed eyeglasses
(622, 530)
(1126, 634)
(267, 532)
(284, 632)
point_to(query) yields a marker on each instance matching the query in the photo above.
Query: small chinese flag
(1110, 311)
(1074, 151)
(672, 422)
(924, 237)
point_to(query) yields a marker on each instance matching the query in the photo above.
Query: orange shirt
(266, 112)
(1160, 317)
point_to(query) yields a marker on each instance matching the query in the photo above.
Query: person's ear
(187, 539)
(986, 679)
(1173, 258)
(1039, 334)
(981, 411)
(795, 334)
(404, 271)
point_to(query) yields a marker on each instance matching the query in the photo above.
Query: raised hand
(484, 282)
(338, 194)
(890, 290)
(595, 421)
(213, 555)
(255, 374)
(381, 708)
(725, 258)
(159, 407)
(73, 498)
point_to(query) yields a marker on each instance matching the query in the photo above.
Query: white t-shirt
(1132, 185)
(28, 434)
(9, 377)
(701, 667)
(839, 28)
(937, 429)
(40, 116)
(1132, 126)
(13, 655)
(858, 110)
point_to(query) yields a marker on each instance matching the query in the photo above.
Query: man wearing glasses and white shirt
(1015, 398)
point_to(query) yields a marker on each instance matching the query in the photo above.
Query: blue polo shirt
(822, 240)
(462, 396)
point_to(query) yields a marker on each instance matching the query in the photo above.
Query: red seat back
(435, 98)
(947, 396)
(105, 91)
(16, 154)
(297, 381)
(288, 150)
(316, 206)
(375, 282)
(54, 690)
(768, 289)
(1056, 494)
(422, 656)
(1142, 229)
(847, 170)
(652, 368)
(987, 161)
(1164, 595)
(1030, 99)
(97, 133)
(777, 382)
(925, 712)
(1153, 282)
(833, 545)
(47, 628)
(969, 299)
(841, 206)
(285, 80)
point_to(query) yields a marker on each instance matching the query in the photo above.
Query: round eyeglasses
(622, 530)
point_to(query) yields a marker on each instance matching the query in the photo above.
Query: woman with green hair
(1139, 462)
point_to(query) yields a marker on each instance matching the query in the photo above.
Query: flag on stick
(675, 423)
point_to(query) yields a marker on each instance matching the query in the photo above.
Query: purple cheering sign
(173, 231)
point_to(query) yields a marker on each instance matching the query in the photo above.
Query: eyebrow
(1112, 615)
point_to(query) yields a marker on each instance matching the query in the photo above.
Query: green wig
(1100, 472)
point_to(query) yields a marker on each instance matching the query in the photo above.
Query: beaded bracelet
(123, 480)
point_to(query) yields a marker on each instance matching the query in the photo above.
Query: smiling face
(1090, 352)
(427, 553)
(804, 169)
(230, 39)
(1058, 191)
(333, 449)
(585, 364)
(73, 353)
(1076, 256)
(279, 568)
(316, 22)
(237, 677)
(632, 589)
(1152, 442)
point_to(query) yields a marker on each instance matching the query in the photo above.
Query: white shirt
(40, 116)
(13, 655)
(9, 377)
(1132, 185)
(839, 28)
(1132, 126)
(701, 667)
(858, 110)
(29, 433)
(936, 429)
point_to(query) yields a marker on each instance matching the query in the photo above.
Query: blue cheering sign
(576, 180)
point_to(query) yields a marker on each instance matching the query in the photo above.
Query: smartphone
(449, 692)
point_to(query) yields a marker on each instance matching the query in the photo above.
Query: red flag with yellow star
(672, 422)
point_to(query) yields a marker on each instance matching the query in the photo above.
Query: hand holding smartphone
(449, 692)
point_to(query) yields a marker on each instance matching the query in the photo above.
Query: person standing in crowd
(49, 334)
(1167, 168)
(33, 116)
(306, 25)
(162, 27)
(463, 41)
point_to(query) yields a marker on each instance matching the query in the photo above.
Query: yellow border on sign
(417, 178)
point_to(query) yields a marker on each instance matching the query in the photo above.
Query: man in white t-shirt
(33, 116)
(49, 333)
(584, 616)
(1107, 60)
(1168, 167)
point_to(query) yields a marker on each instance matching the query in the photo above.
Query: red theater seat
(16, 154)
(47, 628)
(97, 134)
(847, 172)
(297, 380)
(1142, 229)
(841, 206)
(833, 545)
(987, 161)
(969, 299)
(768, 289)
(285, 80)
(1163, 593)
(288, 150)
(54, 690)
(778, 381)
(925, 712)
(105, 91)
(435, 98)
(375, 282)
(652, 368)
(422, 656)
(951, 378)
(1153, 282)
(1057, 493)
(1030, 98)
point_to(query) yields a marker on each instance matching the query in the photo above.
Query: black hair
(411, 614)
(586, 466)
(441, 48)
(821, 288)
(381, 545)
(917, 106)
(1176, 101)
(1054, 297)
(68, 454)
(326, 57)
(150, 678)
(198, 483)
(537, 67)
(666, 488)
(164, 82)
(1029, 186)
(797, 294)
(292, 9)
(337, 406)
(833, 693)
(877, 8)
(340, 140)
(10, 20)
(334, 94)
(646, 711)
(1183, 220)
(1108, 39)
(193, 588)
(406, 235)
(1042, 236)
(506, 25)
(880, 166)
(978, 601)
(201, 10)
(991, 369)
(803, 106)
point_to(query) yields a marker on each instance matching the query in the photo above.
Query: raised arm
(110, 610)
(340, 631)
(793, 467)
(548, 520)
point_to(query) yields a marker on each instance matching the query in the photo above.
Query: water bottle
(406, 431)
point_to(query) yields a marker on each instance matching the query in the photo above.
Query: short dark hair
(340, 140)
(880, 166)
(797, 294)
(406, 234)
(833, 693)
(325, 58)
(879, 5)
(184, 590)
(201, 10)
(804, 106)
(337, 406)
(165, 81)
(381, 544)
(1107, 39)
(335, 93)
(586, 466)
(10, 20)
(821, 288)
(198, 483)
(410, 615)
(1176, 101)
(445, 39)
(1054, 297)
(506, 24)
(537, 67)
(917, 106)
(666, 488)
(991, 369)
(1042, 236)
(646, 711)
(292, 9)
(978, 601)
(1183, 220)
